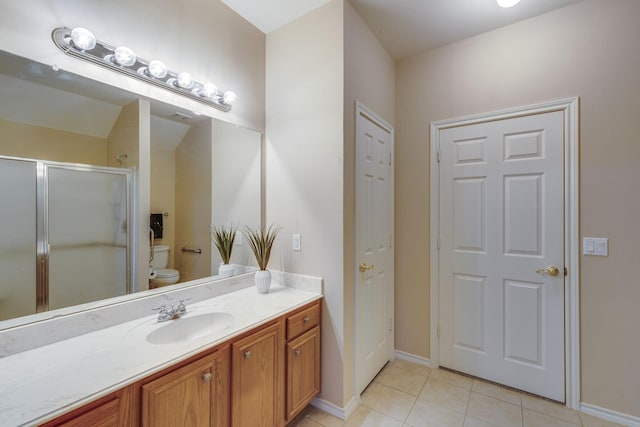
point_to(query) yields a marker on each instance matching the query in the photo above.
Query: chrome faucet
(174, 313)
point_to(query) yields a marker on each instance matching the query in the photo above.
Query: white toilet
(164, 276)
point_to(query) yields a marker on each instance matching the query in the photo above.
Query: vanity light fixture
(82, 44)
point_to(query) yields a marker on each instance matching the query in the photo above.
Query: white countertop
(40, 384)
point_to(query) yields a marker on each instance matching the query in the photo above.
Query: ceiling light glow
(507, 3)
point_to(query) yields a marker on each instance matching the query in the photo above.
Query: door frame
(570, 108)
(366, 112)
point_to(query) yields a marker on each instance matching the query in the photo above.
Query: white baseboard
(336, 411)
(609, 415)
(413, 358)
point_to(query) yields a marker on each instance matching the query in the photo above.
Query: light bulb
(229, 97)
(507, 3)
(124, 56)
(185, 81)
(83, 39)
(157, 69)
(208, 90)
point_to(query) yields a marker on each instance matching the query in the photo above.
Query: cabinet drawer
(303, 321)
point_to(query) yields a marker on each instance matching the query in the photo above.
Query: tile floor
(407, 394)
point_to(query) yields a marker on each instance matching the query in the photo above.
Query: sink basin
(190, 328)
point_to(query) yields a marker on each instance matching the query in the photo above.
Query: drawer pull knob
(247, 355)
(207, 377)
(298, 352)
(306, 319)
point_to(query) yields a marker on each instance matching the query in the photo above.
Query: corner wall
(369, 77)
(588, 50)
(304, 165)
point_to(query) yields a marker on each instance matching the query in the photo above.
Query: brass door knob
(551, 270)
(364, 267)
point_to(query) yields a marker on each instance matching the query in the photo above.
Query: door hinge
(390, 324)
(438, 156)
(389, 158)
(438, 330)
(438, 242)
(390, 241)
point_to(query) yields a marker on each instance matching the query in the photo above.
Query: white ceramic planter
(225, 270)
(263, 281)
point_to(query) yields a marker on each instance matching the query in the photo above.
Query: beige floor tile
(550, 408)
(498, 392)
(367, 417)
(389, 401)
(494, 411)
(445, 394)
(327, 420)
(452, 378)
(403, 380)
(472, 422)
(591, 421)
(427, 414)
(412, 367)
(306, 422)
(537, 419)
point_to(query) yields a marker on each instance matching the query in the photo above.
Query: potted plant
(223, 238)
(261, 241)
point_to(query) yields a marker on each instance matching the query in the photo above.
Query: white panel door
(501, 222)
(374, 251)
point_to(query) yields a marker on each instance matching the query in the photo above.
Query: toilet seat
(167, 273)
(164, 277)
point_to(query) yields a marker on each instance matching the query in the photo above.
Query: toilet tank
(160, 256)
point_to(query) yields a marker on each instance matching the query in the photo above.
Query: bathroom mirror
(203, 171)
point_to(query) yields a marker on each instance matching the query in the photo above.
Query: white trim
(609, 415)
(572, 237)
(418, 360)
(336, 411)
(369, 114)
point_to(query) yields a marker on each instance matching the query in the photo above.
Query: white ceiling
(405, 27)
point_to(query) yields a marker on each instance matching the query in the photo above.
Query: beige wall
(304, 184)
(236, 178)
(590, 50)
(35, 142)
(369, 78)
(193, 202)
(163, 195)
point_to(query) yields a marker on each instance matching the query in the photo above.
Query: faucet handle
(181, 307)
(163, 307)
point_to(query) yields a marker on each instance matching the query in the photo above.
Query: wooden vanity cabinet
(109, 411)
(303, 359)
(195, 395)
(263, 378)
(257, 390)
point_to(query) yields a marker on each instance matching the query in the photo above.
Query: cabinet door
(303, 371)
(257, 372)
(188, 396)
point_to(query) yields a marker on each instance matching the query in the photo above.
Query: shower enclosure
(65, 235)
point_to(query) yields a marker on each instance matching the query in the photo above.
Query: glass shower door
(87, 228)
(17, 238)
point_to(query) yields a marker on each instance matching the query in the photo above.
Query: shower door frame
(42, 226)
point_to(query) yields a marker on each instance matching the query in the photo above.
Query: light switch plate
(238, 239)
(296, 244)
(597, 246)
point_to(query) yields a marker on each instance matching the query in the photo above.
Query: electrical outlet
(238, 239)
(296, 243)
